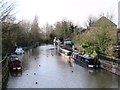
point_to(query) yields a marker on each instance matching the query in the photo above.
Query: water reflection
(16, 73)
(35, 52)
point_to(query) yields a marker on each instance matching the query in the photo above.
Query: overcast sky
(51, 11)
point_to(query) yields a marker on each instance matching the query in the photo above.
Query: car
(19, 51)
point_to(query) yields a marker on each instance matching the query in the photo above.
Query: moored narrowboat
(86, 60)
(66, 54)
(14, 63)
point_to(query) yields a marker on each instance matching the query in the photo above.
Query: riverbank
(110, 64)
(34, 46)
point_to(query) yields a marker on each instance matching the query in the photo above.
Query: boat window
(76, 56)
(69, 53)
(79, 58)
(91, 61)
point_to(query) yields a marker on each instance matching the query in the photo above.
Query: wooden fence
(5, 72)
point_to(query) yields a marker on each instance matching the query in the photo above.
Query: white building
(119, 15)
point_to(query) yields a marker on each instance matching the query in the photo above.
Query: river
(44, 68)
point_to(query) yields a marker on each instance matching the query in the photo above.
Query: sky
(77, 11)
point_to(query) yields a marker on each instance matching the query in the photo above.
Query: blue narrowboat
(86, 60)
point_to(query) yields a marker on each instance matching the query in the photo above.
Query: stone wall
(110, 64)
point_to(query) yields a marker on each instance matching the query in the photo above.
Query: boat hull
(84, 61)
(66, 54)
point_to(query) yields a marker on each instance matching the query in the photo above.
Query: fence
(5, 72)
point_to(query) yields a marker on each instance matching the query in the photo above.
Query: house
(103, 21)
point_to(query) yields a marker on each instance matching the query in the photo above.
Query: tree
(109, 15)
(101, 38)
(91, 19)
(64, 29)
(10, 33)
(35, 31)
(6, 8)
(23, 37)
(49, 32)
(105, 38)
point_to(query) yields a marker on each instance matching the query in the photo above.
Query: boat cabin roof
(65, 50)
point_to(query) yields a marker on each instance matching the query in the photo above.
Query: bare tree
(91, 19)
(109, 15)
(6, 7)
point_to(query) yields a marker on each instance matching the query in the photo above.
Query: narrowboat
(68, 44)
(14, 63)
(86, 60)
(19, 51)
(66, 54)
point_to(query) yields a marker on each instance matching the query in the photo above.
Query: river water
(44, 68)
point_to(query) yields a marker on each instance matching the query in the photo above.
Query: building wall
(119, 14)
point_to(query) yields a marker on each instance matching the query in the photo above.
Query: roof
(104, 20)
